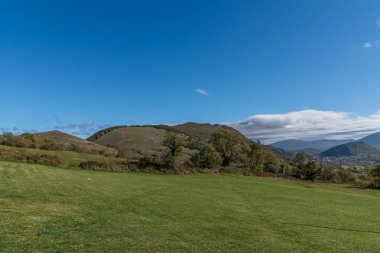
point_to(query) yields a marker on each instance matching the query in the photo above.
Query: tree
(256, 157)
(311, 171)
(375, 176)
(230, 145)
(286, 169)
(32, 139)
(300, 159)
(174, 145)
(271, 162)
(7, 134)
(299, 163)
(208, 158)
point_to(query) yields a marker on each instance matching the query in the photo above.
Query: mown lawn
(44, 209)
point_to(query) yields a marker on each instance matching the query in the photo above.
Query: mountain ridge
(358, 148)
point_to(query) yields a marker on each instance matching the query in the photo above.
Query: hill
(68, 141)
(202, 132)
(308, 151)
(373, 140)
(137, 141)
(46, 209)
(292, 145)
(352, 149)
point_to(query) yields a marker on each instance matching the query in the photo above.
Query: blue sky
(82, 65)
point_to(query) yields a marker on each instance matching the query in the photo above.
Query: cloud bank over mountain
(308, 125)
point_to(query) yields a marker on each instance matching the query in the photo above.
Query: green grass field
(44, 209)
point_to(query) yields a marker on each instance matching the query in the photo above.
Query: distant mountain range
(323, 145)
(138, 141)
(296, 145)
(373, 139)
(358, 149)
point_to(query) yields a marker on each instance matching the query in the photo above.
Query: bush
(347, 177)
(174, 145)
(103, 166)
(16, 141)
(148, 162)
(362, 184)
(11, 155)
(78, 148)
(207, 158)
(230, 145)
(46, 144)
(17, 156)
(122, 154)
(374, 175)
(44, 160)
(330, 175)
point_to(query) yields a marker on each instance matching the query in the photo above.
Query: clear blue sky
(64, 63)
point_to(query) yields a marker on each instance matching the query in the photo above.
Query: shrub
(103, 166)
(174, 146)
(330, 175)
(78, 148)
(17, 156)
(230, 145)
(16, 141)
(44, 160)
(46, 144)
(207, 158)
(11, 155)
(362, 184)
(148, 162)
(122, 154)
(347, 177)
(374, 175)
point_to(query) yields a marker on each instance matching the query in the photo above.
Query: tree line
(228, 151)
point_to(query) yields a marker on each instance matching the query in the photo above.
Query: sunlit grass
(44, 209)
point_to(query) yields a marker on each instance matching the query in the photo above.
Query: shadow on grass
(331, 228)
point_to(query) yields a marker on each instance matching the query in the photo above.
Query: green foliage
(347, 177)
(174, 145)
(103, 166)
(305, 169)
(18, 156)
(230, 145)
(300, 159)
(28, 140)
(311, 171)
(329, 174)
(374, 175)
(194, 144)
(148, 162)
(7, 135)
(256, 157)
(207, 158)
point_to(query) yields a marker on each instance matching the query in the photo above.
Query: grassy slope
(66, 140)
(72, 159)
(56, 210)
(139, 141)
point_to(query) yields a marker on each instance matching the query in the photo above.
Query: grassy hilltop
(46, 209)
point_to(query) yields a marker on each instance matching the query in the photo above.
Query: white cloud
(202, 92)
(367, 45)
(308, 125)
